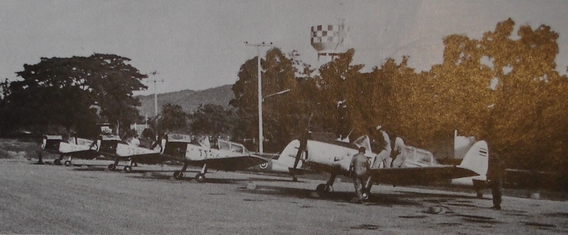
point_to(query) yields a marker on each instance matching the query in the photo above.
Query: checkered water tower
(328, 41)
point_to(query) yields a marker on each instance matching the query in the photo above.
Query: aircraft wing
(80, 154)
(231, 163)
(419, 175)
(152, 158)
(84, 154)
(300, 171)
(147, 158)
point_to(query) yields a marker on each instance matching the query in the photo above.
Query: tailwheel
(112, 167)
(127, 169)
(67, 163)
(178, 175)
(57, 162)
(200, 177)
(323, 189)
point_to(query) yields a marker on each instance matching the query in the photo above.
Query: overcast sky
(200, 44)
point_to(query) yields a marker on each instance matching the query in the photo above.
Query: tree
(60, 92)
(526, 113)
(112, 82)
(338, 93)
(210, 119)
(397, 100)
(282, 113)
(505, 90)
(173, 118)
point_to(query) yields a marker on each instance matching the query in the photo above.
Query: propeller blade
(93, 144)
(303, 143)
(158, 141)
(301, 149)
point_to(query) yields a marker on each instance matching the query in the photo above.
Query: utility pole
(260, 135)
(155, 100)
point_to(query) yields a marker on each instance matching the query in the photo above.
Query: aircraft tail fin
(287, 158)
(477, 159)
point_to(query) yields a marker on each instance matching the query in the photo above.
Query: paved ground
(89, 199)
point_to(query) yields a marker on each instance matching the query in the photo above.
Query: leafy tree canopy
(61, 91)
(503, 88)
(172, 119)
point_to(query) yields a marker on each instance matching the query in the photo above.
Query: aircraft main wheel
(57, 162)
(366, 195)
(127, 169)
(178, 175)
(67, 163)
(111, 167)
(322, 189)
(200, 178)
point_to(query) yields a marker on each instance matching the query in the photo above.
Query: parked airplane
(228, 156)
(115, 148)
(335, 158)
(72, 148)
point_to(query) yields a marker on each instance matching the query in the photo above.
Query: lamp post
(260, 137)
(155, 101)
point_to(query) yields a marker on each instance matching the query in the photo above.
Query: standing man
(358, 169)
(495, 175)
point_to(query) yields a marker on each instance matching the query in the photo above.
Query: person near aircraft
(399, 153)
(359, 172)
(135, 141)
(495, 175)
(383, 158)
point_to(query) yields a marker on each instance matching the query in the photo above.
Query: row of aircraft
(299, 156)
(228, 156)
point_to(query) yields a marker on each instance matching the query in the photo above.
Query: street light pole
(260, 136)
(155, 101)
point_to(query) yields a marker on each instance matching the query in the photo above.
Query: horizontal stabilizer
(419, 175)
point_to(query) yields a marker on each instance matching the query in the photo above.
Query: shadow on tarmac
(375, 199)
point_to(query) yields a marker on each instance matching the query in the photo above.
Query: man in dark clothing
(359, 168)
(495, 175)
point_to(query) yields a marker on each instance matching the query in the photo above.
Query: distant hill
(189, 100)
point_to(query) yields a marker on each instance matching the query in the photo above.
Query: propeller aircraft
(72, 148)
(335, 157)
(227, 156)
(115, 148)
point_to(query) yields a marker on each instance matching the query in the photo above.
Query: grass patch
(14, 148)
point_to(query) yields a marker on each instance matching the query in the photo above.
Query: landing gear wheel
(323, 189)
(57, 162)
(67, 163)
(111, 167)
(178, 175)
(200, 178)
(366, 195)
(127, 169)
